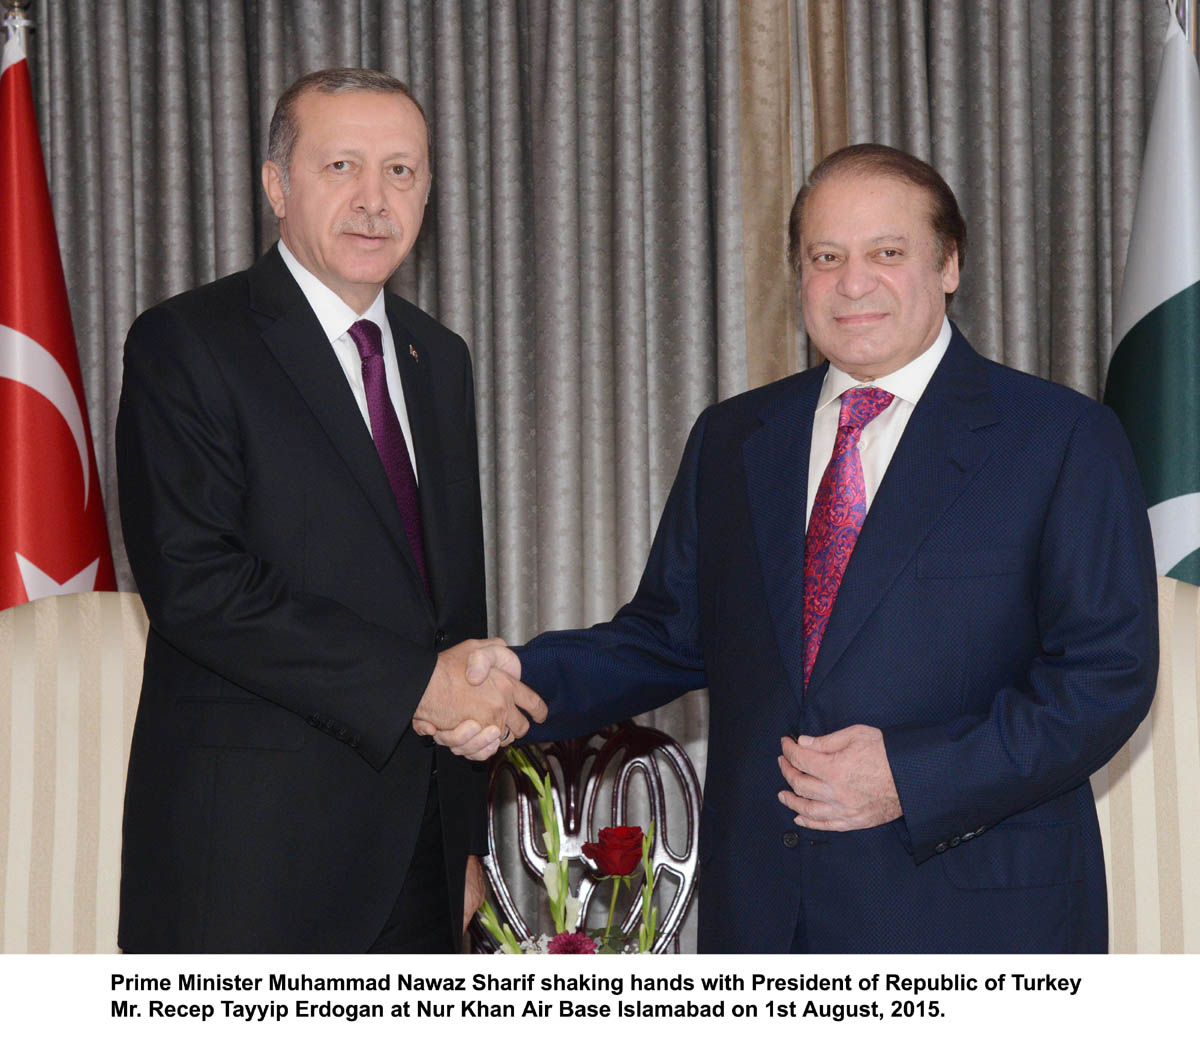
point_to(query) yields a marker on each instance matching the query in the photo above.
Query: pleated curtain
(611, 184)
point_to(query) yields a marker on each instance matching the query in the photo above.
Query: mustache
(379, 227)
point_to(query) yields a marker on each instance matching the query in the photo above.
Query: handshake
(475, 701)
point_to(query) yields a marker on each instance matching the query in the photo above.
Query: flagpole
(15, 23)
(14, 18)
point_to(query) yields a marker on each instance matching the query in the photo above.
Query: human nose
(371, 198)
(857, 279)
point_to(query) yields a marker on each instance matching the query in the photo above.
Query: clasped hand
(475, 701)
(839, 781)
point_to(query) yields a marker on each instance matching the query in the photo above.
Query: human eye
(339, 166)
(402, 174)
(889, 253)
(824, 259)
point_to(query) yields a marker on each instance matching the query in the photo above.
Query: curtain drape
(584, 234)
(608, 178)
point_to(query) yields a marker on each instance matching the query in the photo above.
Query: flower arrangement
(616, 854)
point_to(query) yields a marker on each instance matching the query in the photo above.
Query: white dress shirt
(881, 436)
(336, 317)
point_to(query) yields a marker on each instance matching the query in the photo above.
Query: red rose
(568, 944)
(618, 852)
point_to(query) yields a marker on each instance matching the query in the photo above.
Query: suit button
(968, 836)
(440, 639)
(355, 742)
(791, 839)
(315, 720)
(940, 848)
(955, 841)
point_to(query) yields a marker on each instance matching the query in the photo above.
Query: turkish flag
(53, 539)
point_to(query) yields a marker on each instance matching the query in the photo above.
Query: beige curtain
(768, 178)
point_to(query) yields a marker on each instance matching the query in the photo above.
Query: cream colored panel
(1186, 703)
(71, 669)
(1148, 799)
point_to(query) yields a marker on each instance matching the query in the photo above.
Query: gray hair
(285, 128)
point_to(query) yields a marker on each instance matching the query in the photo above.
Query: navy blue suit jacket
(997, 621)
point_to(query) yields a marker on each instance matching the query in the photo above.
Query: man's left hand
(839, 781)
(473, 895)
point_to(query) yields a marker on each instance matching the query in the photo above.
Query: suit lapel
(294, 336)
(776, 461)
(938, 455)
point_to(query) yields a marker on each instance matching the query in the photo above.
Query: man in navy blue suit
(906, 703)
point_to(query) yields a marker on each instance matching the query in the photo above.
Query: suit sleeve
(650, 652)
(182, 480)
(1086, 690)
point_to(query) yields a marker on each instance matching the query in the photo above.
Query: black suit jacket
(275, 785)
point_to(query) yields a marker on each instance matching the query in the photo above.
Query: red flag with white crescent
(53, 538)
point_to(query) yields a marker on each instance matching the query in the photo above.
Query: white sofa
(71, 666)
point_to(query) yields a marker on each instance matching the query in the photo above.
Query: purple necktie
(838, 513)
(389, 437)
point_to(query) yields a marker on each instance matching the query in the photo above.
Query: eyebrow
(887, 237)
(349, 150)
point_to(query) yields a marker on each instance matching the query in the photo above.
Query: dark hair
(285, 128)
(946, 220)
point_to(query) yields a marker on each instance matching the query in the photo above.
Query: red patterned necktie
(389, 436)
(837, 516)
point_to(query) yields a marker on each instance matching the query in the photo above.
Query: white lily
(550, 878)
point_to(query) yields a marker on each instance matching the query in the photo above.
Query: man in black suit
(300, 501)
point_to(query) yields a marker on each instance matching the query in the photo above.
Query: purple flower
(572, 943)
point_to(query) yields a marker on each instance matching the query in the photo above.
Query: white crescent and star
(39, 584)
(25, 361)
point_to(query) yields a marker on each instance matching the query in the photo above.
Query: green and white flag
(1154, 377)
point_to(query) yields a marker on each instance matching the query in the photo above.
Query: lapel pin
(413, 352)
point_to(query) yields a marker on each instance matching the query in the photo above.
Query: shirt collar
(908, 382)
(333, 313)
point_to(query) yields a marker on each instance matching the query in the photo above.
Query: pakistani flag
(1154, 377)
